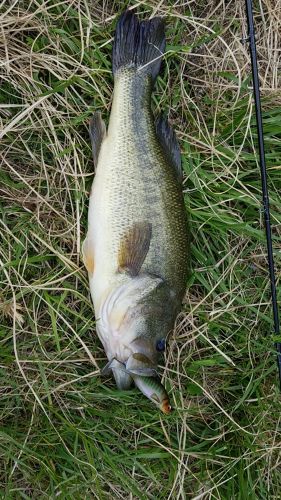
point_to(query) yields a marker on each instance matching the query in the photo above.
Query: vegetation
(65, 431)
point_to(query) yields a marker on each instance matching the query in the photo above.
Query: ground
(65, 431)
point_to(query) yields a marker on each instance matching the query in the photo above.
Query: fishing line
(265, 199)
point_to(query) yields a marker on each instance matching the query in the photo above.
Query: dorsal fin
(169, 144)
(97, 130)
(134, 247)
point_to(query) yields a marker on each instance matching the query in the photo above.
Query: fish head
(134, 322)
(134, 314)
(165, 406)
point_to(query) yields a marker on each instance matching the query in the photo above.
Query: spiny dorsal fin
(169, 144)
(97, 130)
(134, 247)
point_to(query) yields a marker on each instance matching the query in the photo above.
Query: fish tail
(138, 44)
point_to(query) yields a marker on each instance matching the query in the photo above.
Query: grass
(66, 432)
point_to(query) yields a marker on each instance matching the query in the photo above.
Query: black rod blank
(265, 199)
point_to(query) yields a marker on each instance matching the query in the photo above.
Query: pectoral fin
(97, 131)
(134, 247)
(88, 254)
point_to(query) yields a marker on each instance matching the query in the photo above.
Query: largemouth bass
(136, 248)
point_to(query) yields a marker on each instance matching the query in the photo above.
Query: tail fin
(138, 44)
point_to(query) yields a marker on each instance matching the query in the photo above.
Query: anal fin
(134, 247)
(169, 144)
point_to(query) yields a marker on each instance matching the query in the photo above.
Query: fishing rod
(265, 199)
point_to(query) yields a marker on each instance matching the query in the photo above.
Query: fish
(137, 247)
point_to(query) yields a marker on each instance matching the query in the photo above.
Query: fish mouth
(122, 378)
(140, 364)
(137, 364)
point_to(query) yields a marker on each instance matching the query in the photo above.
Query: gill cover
(123, 315)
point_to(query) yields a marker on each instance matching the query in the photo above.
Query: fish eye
(160, 345)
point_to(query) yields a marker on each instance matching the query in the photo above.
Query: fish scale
(138, 184)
